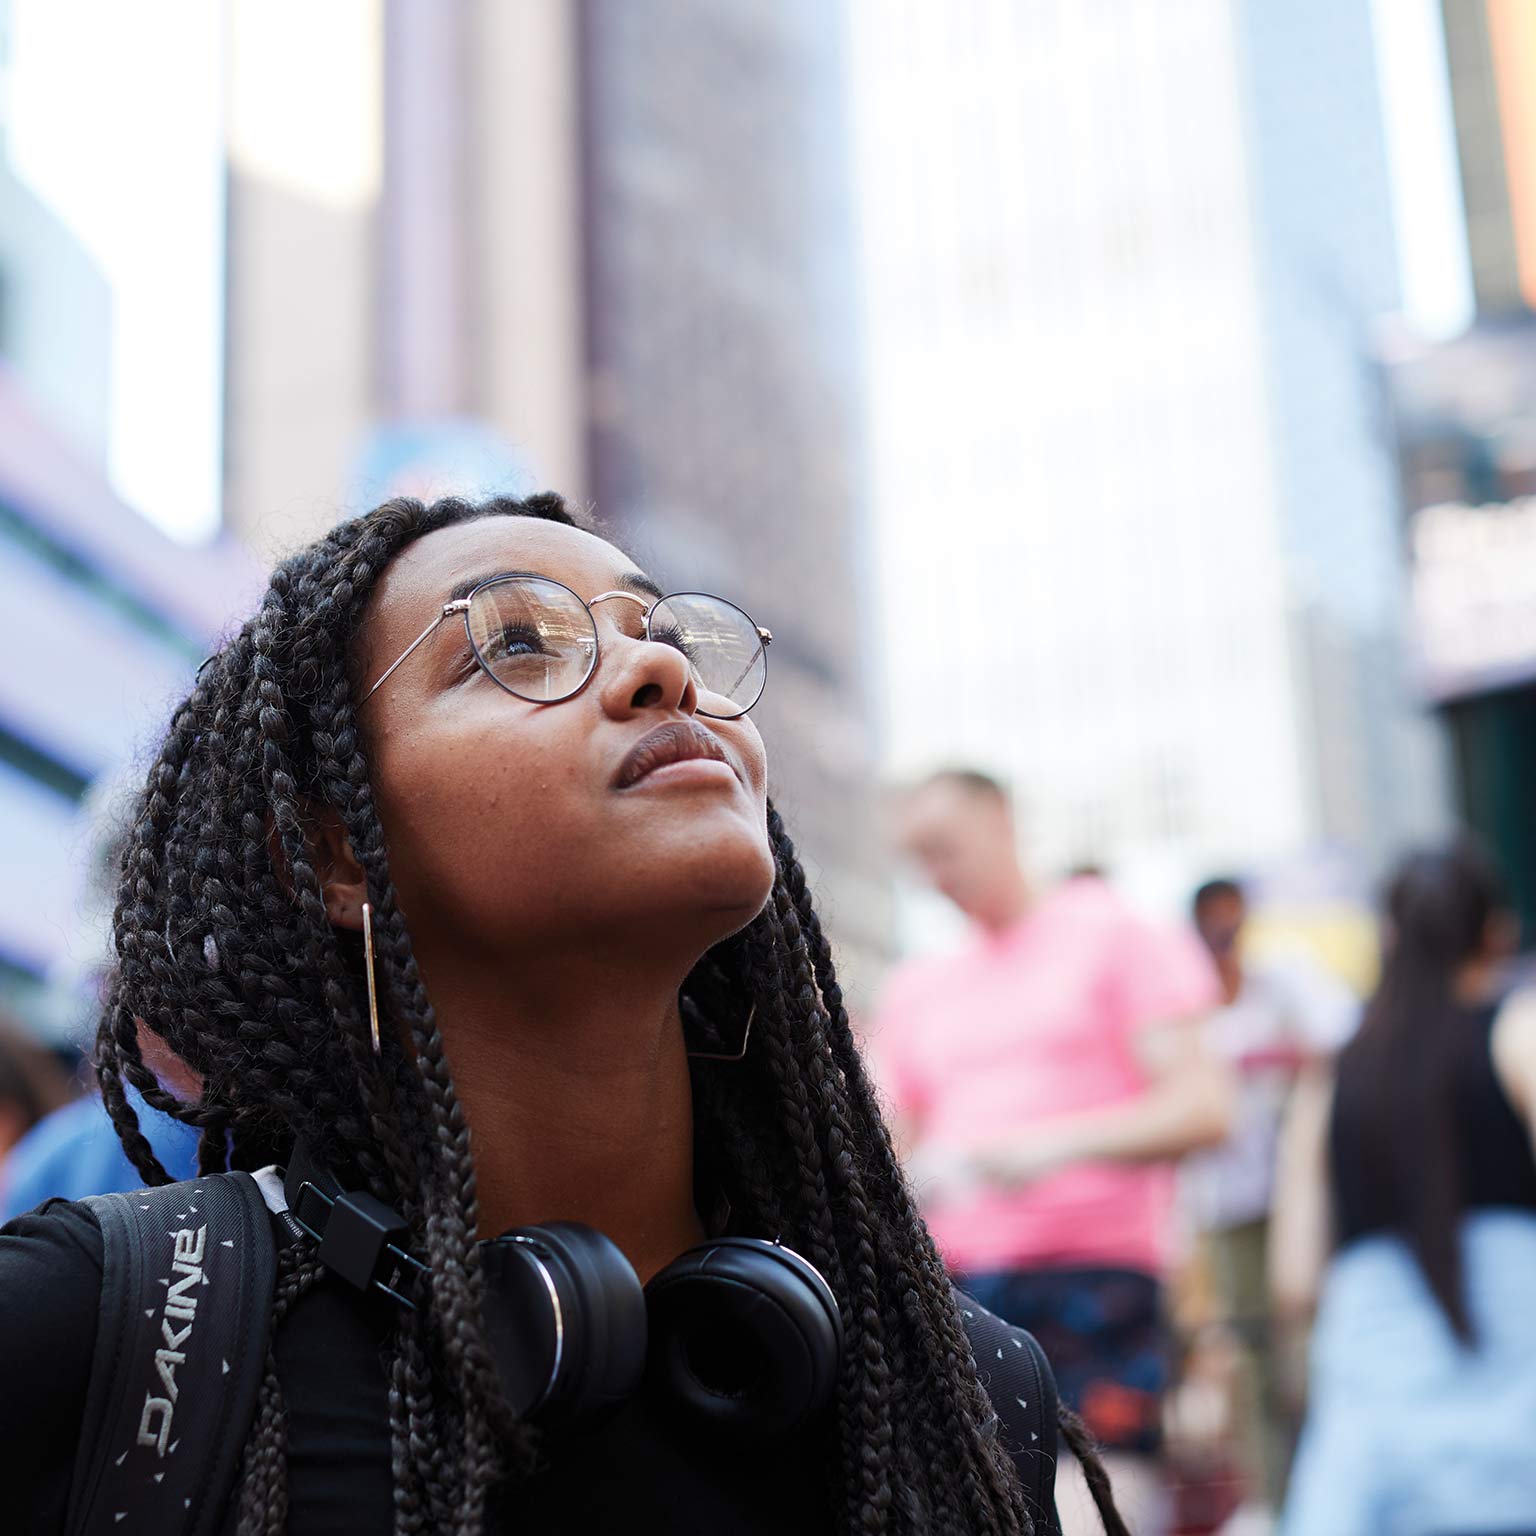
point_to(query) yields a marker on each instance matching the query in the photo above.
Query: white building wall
(1069, 450)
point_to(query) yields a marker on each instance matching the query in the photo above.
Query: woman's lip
(681, 741)
(700, 770)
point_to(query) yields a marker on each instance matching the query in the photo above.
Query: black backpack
(181, 1340)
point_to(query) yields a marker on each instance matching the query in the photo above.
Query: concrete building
(1465, 415)
(721, 345)
(598, 246)
(1327, 272)
(102, 617)
(1127, 445)
(1491, 49)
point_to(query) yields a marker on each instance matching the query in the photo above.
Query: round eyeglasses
(538, 640)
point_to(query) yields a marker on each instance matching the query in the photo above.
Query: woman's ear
(173, 1072)
(341, 876)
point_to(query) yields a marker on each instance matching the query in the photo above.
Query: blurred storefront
(1465, 415)
(1466, 421)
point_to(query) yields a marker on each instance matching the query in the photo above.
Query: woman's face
(511, 825)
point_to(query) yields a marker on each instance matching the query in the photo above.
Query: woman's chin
(724, 883)
(670, 892)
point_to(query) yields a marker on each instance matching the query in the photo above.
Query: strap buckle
(359, 1237)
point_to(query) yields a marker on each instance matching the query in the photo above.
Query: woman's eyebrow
(633, 581)
(463, 588)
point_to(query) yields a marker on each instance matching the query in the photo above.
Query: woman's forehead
(419, 579)
(417, 582)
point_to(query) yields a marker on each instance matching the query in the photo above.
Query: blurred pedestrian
(33, 1083)
(1046, 1076)
(74, 1152)
(1278, 1016)
(1416, 1160)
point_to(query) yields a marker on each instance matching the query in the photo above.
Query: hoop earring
(373, 996)
(728, 1055)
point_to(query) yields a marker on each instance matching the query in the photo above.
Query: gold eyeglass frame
(462, 605)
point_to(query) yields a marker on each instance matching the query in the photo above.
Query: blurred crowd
(1273, 1237)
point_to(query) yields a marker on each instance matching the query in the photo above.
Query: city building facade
(102, 617)
(1465, 415)
(1140, 547)
(603, 248)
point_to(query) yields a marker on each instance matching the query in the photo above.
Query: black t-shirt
(645, 1470)
(1495, 1166)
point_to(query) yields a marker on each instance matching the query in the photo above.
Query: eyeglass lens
(534, 637)
(729, 660)
(538, 640)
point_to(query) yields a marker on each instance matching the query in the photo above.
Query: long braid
(1081, 1443)
(361, 1132)
(263, 1507)
(938, 1431)
(850, 1062)
(135, 935)
(879, 1300)
(942, 1318)
(864, 1411)
(866, 1370)
(125, 1119)
(417, 1453)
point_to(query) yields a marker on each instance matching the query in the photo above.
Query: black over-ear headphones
(741, 1333)
(738, 1332)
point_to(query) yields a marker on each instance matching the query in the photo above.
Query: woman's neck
(579, 1103)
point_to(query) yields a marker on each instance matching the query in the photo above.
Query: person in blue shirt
(74, 1152)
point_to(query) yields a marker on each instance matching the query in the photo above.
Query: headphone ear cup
(566, 1322)
(745, 1335)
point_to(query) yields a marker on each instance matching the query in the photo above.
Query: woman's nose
(638, 674)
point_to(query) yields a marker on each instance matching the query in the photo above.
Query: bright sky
(1435, 263)
(116, 124)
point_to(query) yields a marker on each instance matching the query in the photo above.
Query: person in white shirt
(1278, 1017)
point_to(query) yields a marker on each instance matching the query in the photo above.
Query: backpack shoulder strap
(181, 1341)
(1017, 1376)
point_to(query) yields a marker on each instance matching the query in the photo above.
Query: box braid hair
(223, 949)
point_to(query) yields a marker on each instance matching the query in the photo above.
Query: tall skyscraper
(1465, 413)
(1491, 46)
(610, 242)
(721, 347)
(1327, 272)
(102, 617)
(1124, 265)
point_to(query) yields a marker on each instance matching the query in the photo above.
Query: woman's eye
(670, 634)
(514, 640)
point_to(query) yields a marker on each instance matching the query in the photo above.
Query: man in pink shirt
(1045, 1079)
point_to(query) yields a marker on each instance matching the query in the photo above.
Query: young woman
(466, 789)
(1418, 1161)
